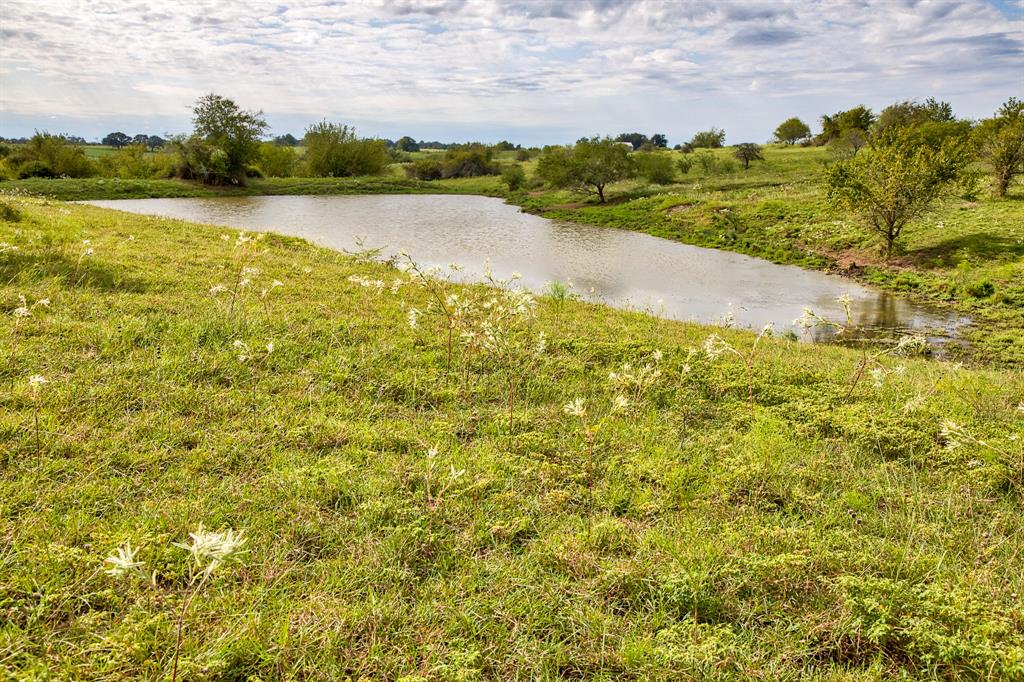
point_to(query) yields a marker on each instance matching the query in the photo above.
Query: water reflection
(619, 267)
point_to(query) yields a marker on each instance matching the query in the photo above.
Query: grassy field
(719, 508)
(968, 255)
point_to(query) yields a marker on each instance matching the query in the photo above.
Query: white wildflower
(620, 402)
(413, 316)
(217, 289)
(123, 562)
(211, 548)
(542, 344)
(575, 407)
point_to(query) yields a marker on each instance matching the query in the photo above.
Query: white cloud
(554, 65)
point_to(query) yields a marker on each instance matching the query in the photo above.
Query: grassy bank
(771, 513)
(967, 255)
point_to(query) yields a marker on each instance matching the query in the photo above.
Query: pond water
(617, 267)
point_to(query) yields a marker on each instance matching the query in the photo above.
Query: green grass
(812, 531)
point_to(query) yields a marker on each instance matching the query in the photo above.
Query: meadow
(966, 254)
(443, 482)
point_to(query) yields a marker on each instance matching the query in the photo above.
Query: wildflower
(22, 311)
(657, 355)
(36, 381)
(88, 252)
(270, 347)
(249, 271)
(224, 237)
(217, 289)
(86, 242)
(714, 346)
(517, 275)
(878, 375)
(413, 317)
(575, 408)
(212, 548)
(45, 302)
(123, 562)
(542, 344)
(432, 452)
(620, 402)
(949, 431)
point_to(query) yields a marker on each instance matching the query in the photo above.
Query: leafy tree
(792, 130)
(655, 168)
(635, 139)
(232, 135)
(407, 144)
(116, 140)
(931, 123)
(747, 152)
(141, 140)
(514, 177)
(286, 140)
(832, 127)
(890, 186)
(154, 142)
(333, 150)
(504, 146)
(1000, 143)
(589, 165)
(659, 140)
(708, 139)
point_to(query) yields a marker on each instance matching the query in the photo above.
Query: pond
(618, 267)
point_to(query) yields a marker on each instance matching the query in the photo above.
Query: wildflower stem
(181, 622)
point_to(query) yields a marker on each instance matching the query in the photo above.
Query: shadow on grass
(88, 274)
(980, 245)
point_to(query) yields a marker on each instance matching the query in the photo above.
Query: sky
(531, 71)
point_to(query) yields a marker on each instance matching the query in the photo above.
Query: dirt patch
(680, 208)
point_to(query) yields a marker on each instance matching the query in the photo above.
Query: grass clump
(652, 510)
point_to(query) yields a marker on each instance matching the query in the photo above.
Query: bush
(522, 155)
(8, 213)
(514, 177)
(132, 162)
(277, 161)
(711, 164)
(468, 162)
(981, 289)
(333, 150)
(655, 168)
(425, 169)
(684, 164)
(225, 142)
(50, 156)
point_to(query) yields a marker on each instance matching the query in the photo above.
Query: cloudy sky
(533, 71)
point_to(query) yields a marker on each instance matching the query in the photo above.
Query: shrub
(333, 150)
(468, 161)
(132, 162)
(514, 177)
(655, 168)
(590, 165)
(225, 142)
(50, 156)
(684, 164)
(277, 161)
(522, 155)
(425, 169)
(747, 152)
(981, 289)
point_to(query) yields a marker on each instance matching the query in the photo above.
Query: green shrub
(51, 156)
(425, 169)
(132, 162)
(684, 164)
(333, 150)
(514, 177)
(8, 213)
(981, 289)
(468, 162)
(277, 161)
(655, 168)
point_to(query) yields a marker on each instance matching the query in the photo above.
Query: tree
(747, 152)
(930, 122)
(50, 156)
(892, 185)
(709, 139)
(154, 142)
(589, 165)
(659, 140)
(635, 139)
(407, 144)
(232, 134)
(141, 140)
(334, 150)
(116, 140)
(1000, 142)
(286, 140)
(832, 127)
(792, 130)
(277, 161)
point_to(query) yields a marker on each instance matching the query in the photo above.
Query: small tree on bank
(1000, 143)
(334, 150)
(225, 142)
(589, 165)
(890, 186)
(792, 130)
(747, 152)
(708, 139)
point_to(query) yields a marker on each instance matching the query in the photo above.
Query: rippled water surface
(622, 268)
